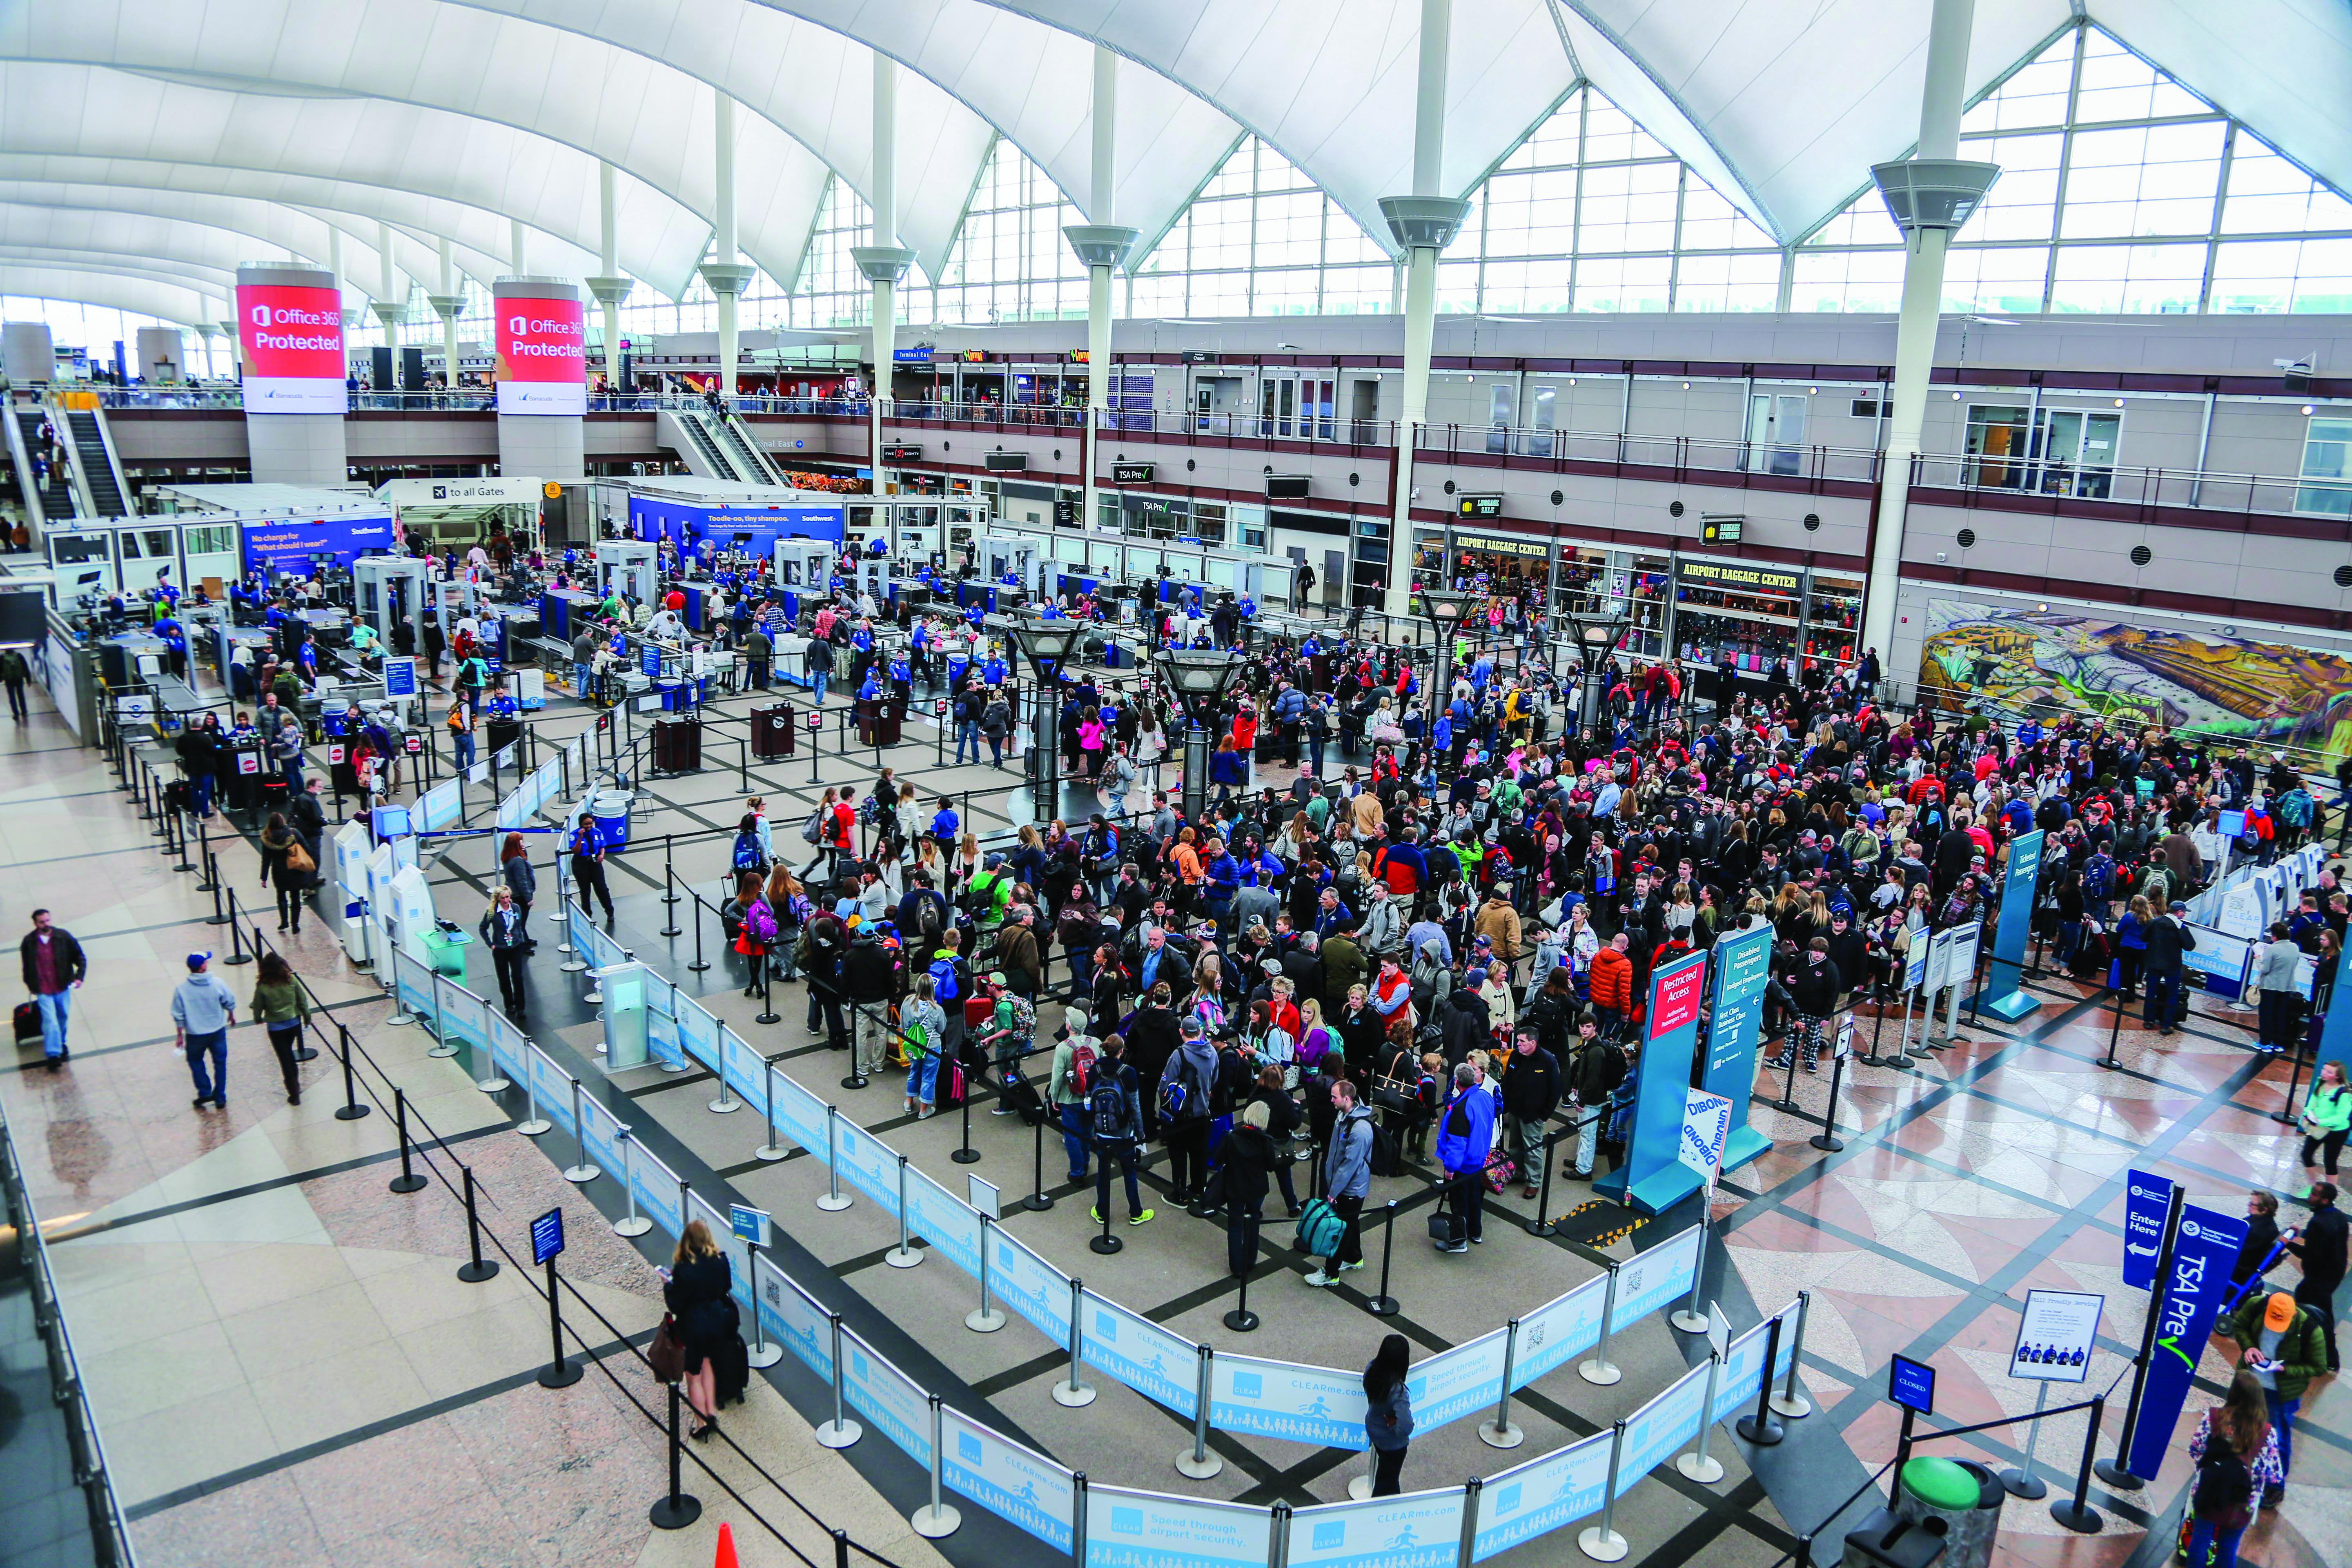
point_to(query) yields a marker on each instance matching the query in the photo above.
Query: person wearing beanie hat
(2284, 1346)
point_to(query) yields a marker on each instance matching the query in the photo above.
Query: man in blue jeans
(203, 1010)
(54, 969)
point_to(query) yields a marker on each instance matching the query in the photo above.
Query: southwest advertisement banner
(1742, 967)
(2202, 1254)
(286, 544)
(1652, 1179)
(543, 354)
(2003, 995)
(290, 325)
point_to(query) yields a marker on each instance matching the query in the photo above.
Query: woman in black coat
(703, 1316)
(1245, 1161)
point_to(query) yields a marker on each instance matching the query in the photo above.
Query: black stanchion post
(2114, 1034)
(209, 882)
(350, 1109)
(237, 954)
(2285, 1112)
(967, 1155)
(1827, 1138)
(1105, 1243)
(219, 917)
(1039, 1199)
(699, 964)
(2118, 1472)
(558, 1372)
(674, 1511)
(1762, 1429)
(408, 1181)
(768, 1013)
(1788, 1100)
(1385, 1305)
(857, 1078)
(669, 898)
(1543, 1225)
(180, 836)
(744, 764)
(2076, 1512)
(481, 1268)
(1240, 1320)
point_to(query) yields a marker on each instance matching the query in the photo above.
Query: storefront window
(1583, 580)
(2327, 469)
(1249, 523)
(1428, 557)
(1832, 620)
(1750, 612)
(1646, 590)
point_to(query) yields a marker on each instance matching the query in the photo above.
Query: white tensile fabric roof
(447, 118)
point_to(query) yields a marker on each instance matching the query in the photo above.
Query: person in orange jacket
(1612, 984)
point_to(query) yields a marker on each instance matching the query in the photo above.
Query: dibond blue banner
(1741, 968)
(413, 984)
(600, 1134)
(464, 1017)
(1455, 1383)
(698, 1033)
(439, 807)
(1421, 1529)
(1311, 1404)
(1148, 1530)
(868, 1165)
(1029, 1285)
(1014, 1483)
(2146, 1201)
(1648, 1281)
(2202, 1253)
(1657, 1432)
(744, 1067)
(1743, 1365)
(933, 1213)
(290, 543)
(793, 1321)
(2004, 994)
(658, 1197)
(887, 1397)
(1652, 1179)
(551, 1089)
(509, 1047)
(1560, 1328)
(1141, 1354)
(800, 1115)
(1542, 1494)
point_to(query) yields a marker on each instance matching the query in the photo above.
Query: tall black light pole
(1045, 645)
(1596, 635)
(1444, 608)
(1199, 677)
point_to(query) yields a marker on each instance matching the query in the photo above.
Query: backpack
(1320, 1229)
(1384, 1152)
(869, 810)
(1177, 1094)
(747, 853)
(812, 830)
(1082, 1068)
(943, 981)
(1024, 1018)
(2224, 1484)
(1107, 1109)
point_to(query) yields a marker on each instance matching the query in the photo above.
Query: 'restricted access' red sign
(542, 356)
(292, 337)
(1674, 999)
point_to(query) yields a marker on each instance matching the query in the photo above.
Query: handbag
(297, 859)
(666, 1354)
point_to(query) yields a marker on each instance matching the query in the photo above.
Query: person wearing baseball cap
(203, 1010)
(2282, 1345)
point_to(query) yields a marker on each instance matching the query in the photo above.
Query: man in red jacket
(1612, 984)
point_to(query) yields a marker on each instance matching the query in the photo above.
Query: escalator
(758, 467)
(96, 459)
(691, 439)
(49, 501)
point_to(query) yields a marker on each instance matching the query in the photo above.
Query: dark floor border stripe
(163, 1502)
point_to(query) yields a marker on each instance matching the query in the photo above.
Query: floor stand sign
(1653, 1178)
(1706, 1122)
(1742, 969)
(2004, 995)
(2055, 1337)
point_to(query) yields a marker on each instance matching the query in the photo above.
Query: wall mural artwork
(2234, 690)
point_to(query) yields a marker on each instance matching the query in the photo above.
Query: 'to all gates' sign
(289, 326)
(543, 347)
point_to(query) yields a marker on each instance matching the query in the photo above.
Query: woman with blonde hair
(963, 864)
(703, 1317)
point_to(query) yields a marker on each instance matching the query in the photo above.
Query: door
(1364, 411)
(1776, 433)
(1279, 413)
(1547, 413)
(1502, 407)
(2080, 452)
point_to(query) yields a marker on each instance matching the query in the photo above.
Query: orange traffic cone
(726, 1558)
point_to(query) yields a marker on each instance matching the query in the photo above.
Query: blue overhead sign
(688, 523)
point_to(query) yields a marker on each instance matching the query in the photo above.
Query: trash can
(771, 732)
(609, 812)
(1884, 1540)
(678, 745)
(447, 949)
(1964, 1495)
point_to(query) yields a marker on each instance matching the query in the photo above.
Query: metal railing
(2136, 488)
(1858, 465)
(110, 1532)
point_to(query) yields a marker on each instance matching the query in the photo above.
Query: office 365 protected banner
(292, 339)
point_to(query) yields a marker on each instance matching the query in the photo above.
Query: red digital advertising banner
(292, 335)
(542, 356)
